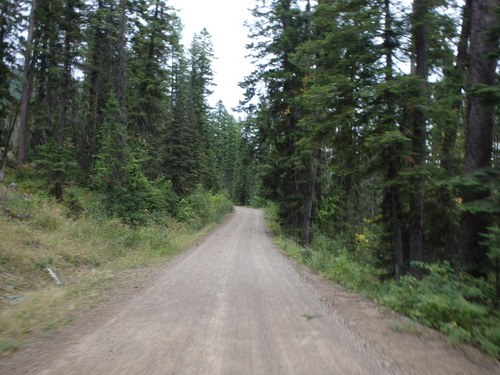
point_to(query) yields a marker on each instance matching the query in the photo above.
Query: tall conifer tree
(281, 28)
(479, 136)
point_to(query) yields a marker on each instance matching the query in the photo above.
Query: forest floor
(235, 304)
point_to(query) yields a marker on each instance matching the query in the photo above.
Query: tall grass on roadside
(88, 250)
(463, 308)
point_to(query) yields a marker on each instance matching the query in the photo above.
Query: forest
(369, 130)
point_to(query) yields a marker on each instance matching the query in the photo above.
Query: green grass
(406, 326)
(462, 308)
(310, 317)
(90, 253)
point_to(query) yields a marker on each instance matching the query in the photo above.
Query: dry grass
(90, 255)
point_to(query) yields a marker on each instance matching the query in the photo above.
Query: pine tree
(72, 37)
(418, 121)
(227, 142)
(394, 163)
(479, 136)
(201, 76)
(101, 60)
(27, 82)
(150, 77)
(341, 64)
(56, 38)
(247, 183)
(180, 163)
(281, 27)
(111, 171)
(10, 22)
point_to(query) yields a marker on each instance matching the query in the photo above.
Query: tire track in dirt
(233, 304)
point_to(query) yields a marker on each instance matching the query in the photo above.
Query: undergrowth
(90, 251)
(463, 308)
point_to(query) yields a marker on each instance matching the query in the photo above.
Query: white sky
(224, 21)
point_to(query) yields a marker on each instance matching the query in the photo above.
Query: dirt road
(235, 305)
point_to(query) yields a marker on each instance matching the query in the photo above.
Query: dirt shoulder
(235, 304)
(415, 348)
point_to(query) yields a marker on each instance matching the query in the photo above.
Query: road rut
(233, 304)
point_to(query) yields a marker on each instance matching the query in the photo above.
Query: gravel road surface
(234, 304)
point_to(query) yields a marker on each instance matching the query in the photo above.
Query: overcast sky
(224, 20)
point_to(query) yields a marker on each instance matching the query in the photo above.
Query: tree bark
(27, 82)
(121, 80)
(66, 71)
(7, 141)
(420, 10)
(394, 164)
(479, 132)
(449, 159)
(311, 190)
(121, 88)
(64, 93)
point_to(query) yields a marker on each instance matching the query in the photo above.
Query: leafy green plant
(56, 166)
(88, 252)
(14, 204)
(406, 326)
(202, 207)
(492, 240)
(463, 308)
(272, 217)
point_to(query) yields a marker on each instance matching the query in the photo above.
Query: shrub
(463, 308)
(202, 207)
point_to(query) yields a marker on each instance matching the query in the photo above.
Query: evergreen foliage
(376, 111)
(373, 123)
(57, 166)
(110, 91)
(9, 26)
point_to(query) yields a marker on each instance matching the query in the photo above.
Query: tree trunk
(306, 222)
(121, 80)
(121, 88)
(420, 11)
(27, 82)
(96, 88)
(65, 88)
(66, 71)
(7, 141)
(396, 211)
(143, 121)
(450, 156)
(394, 165)
(479, 134)
(449, 159)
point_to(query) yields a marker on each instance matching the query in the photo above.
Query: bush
(202, 207)
(258, 202)
(272, 217)
(463, 308)
(332, 260)
(14, 204)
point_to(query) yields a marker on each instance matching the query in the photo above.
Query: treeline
(377, 121)
(103, 94)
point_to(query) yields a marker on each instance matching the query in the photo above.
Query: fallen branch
(54, 276)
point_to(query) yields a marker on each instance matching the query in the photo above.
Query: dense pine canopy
(364, 119)
(110, 99)
(371, 119)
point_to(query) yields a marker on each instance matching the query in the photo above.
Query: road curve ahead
(231, 305)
